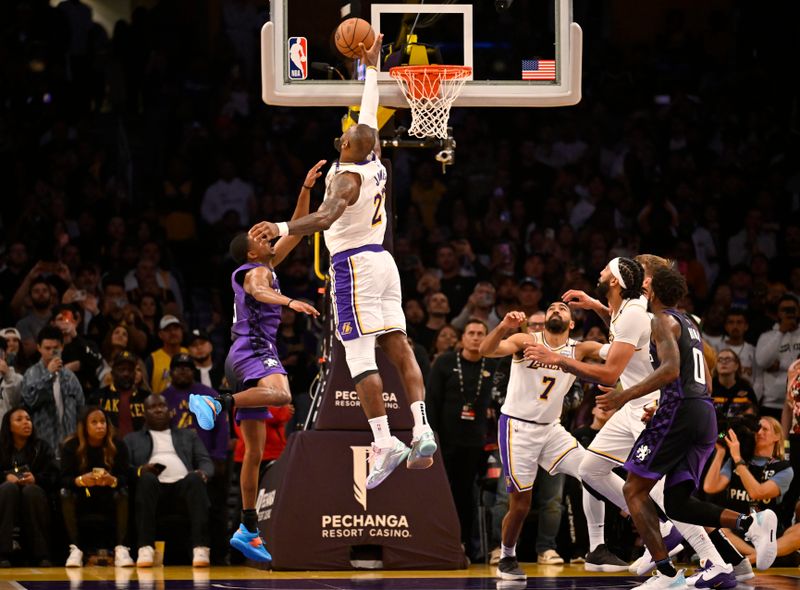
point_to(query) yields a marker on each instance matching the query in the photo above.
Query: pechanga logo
(336, 526)
(349, 399)
(360, 465)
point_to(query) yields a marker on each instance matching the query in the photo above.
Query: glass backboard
(528, 54)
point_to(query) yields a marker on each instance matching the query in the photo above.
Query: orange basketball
(350, 33)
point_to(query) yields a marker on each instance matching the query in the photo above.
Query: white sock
(420, 419)
(595, 511)
(508, 551)
(700, 541)
(380, 431)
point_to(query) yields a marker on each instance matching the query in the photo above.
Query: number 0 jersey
(363, 222)
(536, 392)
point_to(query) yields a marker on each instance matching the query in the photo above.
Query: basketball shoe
(422, 450)
(206, 409)
(382, 461)
(251, 545)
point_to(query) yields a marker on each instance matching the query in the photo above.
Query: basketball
(350, 33)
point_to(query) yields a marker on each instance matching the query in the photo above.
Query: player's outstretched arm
(618, 356)
(664, 336)
(288, 243)
(368, 112)
(494, 346)
(343, 191)
(257, 284)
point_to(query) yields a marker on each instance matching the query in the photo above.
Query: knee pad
(360, 355)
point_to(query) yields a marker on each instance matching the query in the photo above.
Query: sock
(701, 543)
(744, 521)
(666, 568)
(380, 431)
(595, 511)
(726, 549)
(508, 551)
(250, 520)
(420, 419)
(665, 528)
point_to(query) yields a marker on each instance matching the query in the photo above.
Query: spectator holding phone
(28, 471)
(52, 392)
(172, 466)
(80, 355)
(94, 467)
(10, 383)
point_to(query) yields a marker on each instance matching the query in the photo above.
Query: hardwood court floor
(477, 577)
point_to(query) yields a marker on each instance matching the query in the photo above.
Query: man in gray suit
(172, 466)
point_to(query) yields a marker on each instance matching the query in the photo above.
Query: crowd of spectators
(132, 157)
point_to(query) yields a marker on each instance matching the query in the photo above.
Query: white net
(430, 91)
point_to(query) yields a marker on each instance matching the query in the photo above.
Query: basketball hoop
(430, 91)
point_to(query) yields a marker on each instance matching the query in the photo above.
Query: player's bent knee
(282, 398)
(360, 355)
(593, 466)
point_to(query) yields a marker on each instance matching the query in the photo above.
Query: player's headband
(613, 266)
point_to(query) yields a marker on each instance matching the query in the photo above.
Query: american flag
(538, 69)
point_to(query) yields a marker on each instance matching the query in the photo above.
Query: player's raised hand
(514, 319)
(263, 231)
(577, 299)
(541, 354)
(313, 174)
(303, 307)
(370, 56)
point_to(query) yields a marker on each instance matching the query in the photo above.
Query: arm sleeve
(726, 469)
(628, 325)
(784, 479)
(200, 456)
(37, 388)
(767, 349)
(368, 114)
(12, 388)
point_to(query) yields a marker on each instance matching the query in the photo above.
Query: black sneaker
(508, 569)
(602, 560)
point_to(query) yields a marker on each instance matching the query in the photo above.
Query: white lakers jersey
(536, 392)
(363, 222)
(632, 325)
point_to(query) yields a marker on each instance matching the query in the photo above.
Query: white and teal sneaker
(422, 450)
(659, 581)
(382, 461)
(763, 535)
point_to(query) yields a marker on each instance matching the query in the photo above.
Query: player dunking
(366, 282)
(253, 361)
(678, 441)
(530, 433)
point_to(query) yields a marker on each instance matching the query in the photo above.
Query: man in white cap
(170, 331)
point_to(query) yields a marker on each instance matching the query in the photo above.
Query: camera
(745, 428)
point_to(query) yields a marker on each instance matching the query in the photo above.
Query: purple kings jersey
(252, 319)
(691, 384)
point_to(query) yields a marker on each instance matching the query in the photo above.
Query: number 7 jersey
(363, 222)
(535, 391)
